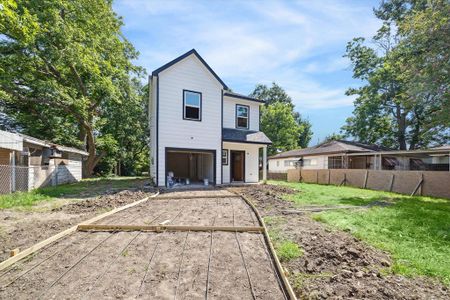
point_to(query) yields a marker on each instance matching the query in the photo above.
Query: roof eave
(180, 58)
(243, 97)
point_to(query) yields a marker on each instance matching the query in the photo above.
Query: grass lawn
(415, 230)
(86, 187)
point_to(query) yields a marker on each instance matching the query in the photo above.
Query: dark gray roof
(338, 146)
(443, 147)
(180, 58)
(236, 95)
(244, 136)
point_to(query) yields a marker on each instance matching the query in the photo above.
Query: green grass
(321, 195)
(286, 249)
(414, 230)
(86, 187)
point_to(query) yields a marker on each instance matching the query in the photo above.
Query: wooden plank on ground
(194, 197)
(278, 266)
(160, 228)
(8, 262)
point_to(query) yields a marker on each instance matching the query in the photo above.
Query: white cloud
(252, 42)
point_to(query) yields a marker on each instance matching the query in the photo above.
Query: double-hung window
(242, 116)
(192, 105)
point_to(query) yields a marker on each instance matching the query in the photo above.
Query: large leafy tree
(278, 122)
(276, 94)
(402, 101)
(65, 69)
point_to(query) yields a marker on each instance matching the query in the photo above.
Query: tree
(279, 124)
(271, 95)
(64, 65)
(392, 107)
(276, 94)
(333, 137)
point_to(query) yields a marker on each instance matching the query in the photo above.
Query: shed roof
(18, 139)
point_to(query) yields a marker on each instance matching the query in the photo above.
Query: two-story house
(199, 129)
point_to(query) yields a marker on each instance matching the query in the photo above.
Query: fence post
(317, 176)
(329, 175)
(13, 173)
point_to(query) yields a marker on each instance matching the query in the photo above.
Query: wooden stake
(159, 228)
(418, 185)
(14, 252)
(365, 178)
(6, 263)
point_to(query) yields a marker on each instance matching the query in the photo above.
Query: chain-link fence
(13, 179)
(18, 178)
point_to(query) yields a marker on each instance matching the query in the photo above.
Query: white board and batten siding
(152, 126)
(251, 161)
(174, 132)
(229, 112)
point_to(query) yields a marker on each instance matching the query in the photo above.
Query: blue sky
(297, 44)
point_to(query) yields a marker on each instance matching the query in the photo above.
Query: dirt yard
(334, 264)
(149, 265)
(23, 228)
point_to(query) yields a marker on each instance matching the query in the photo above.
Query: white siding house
(192, 118)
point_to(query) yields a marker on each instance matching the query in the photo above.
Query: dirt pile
(107, 201)
(335, 265)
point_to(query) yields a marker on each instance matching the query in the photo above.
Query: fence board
(436, 183)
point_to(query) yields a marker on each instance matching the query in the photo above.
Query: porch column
(264, 163)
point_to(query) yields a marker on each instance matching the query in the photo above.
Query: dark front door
(237, 165)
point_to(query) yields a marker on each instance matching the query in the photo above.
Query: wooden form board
(278, 265)
(195, 197)
(161, 228)
(36, 247)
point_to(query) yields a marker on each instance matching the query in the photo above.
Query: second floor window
(242, 116)
(192, 105)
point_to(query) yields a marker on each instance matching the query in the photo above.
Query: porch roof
(245, 136)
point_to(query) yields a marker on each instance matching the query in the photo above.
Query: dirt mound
(335, 265)
(107, 201)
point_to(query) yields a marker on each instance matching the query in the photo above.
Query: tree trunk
(401, 123)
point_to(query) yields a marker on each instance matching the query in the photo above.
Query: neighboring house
(199, 129)
(342, 154)
(328, 155)
(27, 163)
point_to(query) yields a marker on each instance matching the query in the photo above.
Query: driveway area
(155, 265)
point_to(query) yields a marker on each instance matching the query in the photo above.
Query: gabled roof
(443, 147)
(180, 58)
(245, 136)
(332, 147)
(239, 96)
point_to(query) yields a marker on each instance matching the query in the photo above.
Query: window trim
(236, 116)
(184, 106)
(225, 151)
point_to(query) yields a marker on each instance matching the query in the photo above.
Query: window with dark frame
(192, 105)
(224, 157)
(242, 116)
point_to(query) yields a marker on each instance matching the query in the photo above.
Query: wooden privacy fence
(427, 183)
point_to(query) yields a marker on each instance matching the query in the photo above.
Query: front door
(237, 165)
